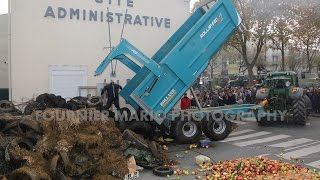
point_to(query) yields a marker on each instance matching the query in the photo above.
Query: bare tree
(306, 37)
(295, 59)
(256, 17)
(281, 31)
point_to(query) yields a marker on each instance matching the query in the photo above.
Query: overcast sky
(4, 5)
(191, 2)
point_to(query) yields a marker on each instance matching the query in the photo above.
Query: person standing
(185, 102)
(112, 91)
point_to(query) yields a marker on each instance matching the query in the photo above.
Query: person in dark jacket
(215, 99)
(231, 98)
(185, 102)
(112, 91)
(221, 101)
(317, 101)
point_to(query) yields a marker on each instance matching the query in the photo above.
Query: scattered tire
(135, 139)
(162, 171)
(299, 111)
(217, 130)
(27, 173)
(187, 131)
(6, 106)
(24, 143)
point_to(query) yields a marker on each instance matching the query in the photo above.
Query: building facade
(4, 64)
(56, 45)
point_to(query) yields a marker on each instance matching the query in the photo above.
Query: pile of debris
(42, 149)
(64, 144)
(8, 107)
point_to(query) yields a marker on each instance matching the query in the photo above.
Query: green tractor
(283, 99)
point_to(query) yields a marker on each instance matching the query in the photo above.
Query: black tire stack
(44, 101)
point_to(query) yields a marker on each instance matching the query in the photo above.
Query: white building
(56, 45)
(4, 78)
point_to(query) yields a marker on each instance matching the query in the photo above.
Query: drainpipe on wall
(9, 50)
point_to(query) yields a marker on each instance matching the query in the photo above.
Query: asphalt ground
(278, 140)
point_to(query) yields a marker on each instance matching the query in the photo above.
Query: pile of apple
(259, 168)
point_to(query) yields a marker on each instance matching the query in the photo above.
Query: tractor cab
(281, 92)
(281, 80)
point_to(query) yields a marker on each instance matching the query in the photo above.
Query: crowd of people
(314, 95)
(230, 96)
(222, 96)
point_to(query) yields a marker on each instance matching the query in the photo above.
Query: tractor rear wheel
(299, 111)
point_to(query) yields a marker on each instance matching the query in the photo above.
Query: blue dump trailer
(160, 81)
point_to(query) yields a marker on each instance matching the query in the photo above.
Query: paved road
(276, 141)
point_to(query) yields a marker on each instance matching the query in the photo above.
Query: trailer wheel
(187, 131)
(217, 130)
(299, 111)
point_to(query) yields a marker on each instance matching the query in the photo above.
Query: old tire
(187, 131)
(6, 106)
(299, 111)
(136, 140)
(162, 171)
(28, 173)
(217, 130)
